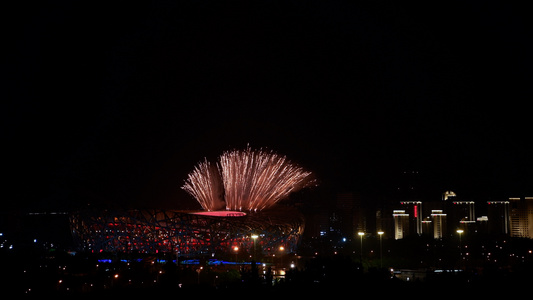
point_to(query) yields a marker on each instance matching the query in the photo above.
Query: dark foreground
(63, 275)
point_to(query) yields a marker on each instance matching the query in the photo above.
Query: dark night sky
(115, 103)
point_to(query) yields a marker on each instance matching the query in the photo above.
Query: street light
(281, 249)
(254, 266)
(460, 232)
(198, 271)
(361, 234)
(236, 249)
(380, 233)
(254, 237)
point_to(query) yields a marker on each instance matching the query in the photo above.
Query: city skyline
(438, 217)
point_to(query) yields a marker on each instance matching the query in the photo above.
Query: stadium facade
(187, 233)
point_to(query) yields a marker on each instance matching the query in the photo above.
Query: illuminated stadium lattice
(186, 233)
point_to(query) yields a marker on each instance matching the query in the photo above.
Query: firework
(250, 180)
(205, 185)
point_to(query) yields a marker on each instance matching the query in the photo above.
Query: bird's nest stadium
(187, 233)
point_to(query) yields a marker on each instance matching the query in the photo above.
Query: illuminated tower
(401, 224)
(521, 217)
(448, 195)
(439, 224)
(415, 211)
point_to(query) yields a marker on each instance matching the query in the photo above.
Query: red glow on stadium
(221, 213)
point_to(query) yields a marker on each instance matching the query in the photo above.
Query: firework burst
(205, 185)
(248, 180)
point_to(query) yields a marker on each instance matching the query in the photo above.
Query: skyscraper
(401, 224)
(498, 217)
(461, 214)
(415, 213)
(521, 217)
(439, 224)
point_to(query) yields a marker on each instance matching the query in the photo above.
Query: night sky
(116, 102)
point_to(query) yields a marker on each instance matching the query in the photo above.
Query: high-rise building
(427, 226)
(401, 224)
(461, 214)
(521, 217)
(439, 223)
(482, 225)
(415, 212)
(498, 217)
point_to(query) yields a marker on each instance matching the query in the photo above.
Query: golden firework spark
(251, 180)
(205, 185)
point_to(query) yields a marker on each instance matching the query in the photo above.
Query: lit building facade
(414, 209)
(521, 217)
(401, 224)
(448, 195)
(439, 224)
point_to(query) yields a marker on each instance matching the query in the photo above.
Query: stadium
(188, 233)
(239, 195)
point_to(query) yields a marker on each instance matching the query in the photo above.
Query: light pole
(198, 271)
(254, 238)
(236, 249)
(254, 266)
(361, 234)
(281, 249)
(380, 233)
(460, 232)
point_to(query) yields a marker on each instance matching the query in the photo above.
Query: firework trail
(205, 185)
(251, 179)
